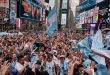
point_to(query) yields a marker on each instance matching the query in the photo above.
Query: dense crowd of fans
(31, 54)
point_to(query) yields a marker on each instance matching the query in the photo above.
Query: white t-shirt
(18, 66)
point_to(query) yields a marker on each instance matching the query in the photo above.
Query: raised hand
(5, 68)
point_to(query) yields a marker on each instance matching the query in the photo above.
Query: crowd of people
(31, 54)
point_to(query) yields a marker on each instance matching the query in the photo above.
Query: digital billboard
(92, 28)
(30, 10)
(95, 15)
(63, 19)
(13, 11)
(64, 4)
(34, 12)
(25, 10)
(78, 25)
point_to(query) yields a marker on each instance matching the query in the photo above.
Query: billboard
(82, 18)
(40, 14)
(25, 10)
(64, 4)
(89, 16)
(78, 25)
(30, 10)
(92, 28)
(95, 15)
(63, 19)
(34, 12)
(13, 11)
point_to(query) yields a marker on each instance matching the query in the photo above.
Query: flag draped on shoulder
(52, 22)
(97, 42)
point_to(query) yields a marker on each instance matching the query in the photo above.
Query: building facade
(93, 13)
(20, 14)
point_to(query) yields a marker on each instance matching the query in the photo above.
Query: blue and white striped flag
(97, 42)
(52, 22)
(85, 45)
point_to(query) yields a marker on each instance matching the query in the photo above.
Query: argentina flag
(97, 41)
(52, 22)
(85, 45)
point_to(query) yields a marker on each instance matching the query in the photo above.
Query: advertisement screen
(95, 15)
(13, 11)
(34, 12)
(63, 19)
(92, 29)
(38, 13)
(25, 11)
(30, 10)
(78, 25)
(64, 4)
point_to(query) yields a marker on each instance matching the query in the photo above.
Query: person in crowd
(21, 64)
(50, 65)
